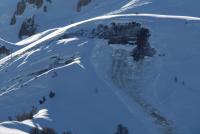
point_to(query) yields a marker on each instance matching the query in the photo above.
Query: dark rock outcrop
(82, 3)
(13, 20)
(118, 33)
(131, 33)
(21, 6)
(127, 33)
(4, 50)
(28, 28)
(143, 47)
(38, 3)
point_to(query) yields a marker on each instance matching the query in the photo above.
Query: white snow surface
(103, 86)
(12, 127)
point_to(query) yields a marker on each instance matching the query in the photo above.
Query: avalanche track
(122, 75)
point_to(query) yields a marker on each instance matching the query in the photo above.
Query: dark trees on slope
(45, 130)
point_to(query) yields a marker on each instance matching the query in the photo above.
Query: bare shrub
(26, 115)
(45, 130)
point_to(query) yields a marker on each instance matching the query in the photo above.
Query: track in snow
(121, 74)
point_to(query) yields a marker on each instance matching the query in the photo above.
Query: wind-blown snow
(65, 41)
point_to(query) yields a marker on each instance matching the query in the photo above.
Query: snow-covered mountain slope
(98, 86)
(59, 13)
(12, 127)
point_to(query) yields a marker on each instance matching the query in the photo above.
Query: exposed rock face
(143, 47)
(131, 33)
(82, 3)
(28, 28)
(4, 50)
(31, 1)
(128, 33)
(38, 3)
(13, 20)
(118, 33)
(21, 6)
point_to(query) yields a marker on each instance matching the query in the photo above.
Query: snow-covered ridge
(11, 127)
(62, 30)
(58, 13)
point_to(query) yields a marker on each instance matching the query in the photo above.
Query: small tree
(51, 94)
(26, 115)
(34, 131)
(48, 130)
(45, 8)
(121, 129)
(45, 130)
(42, 100)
